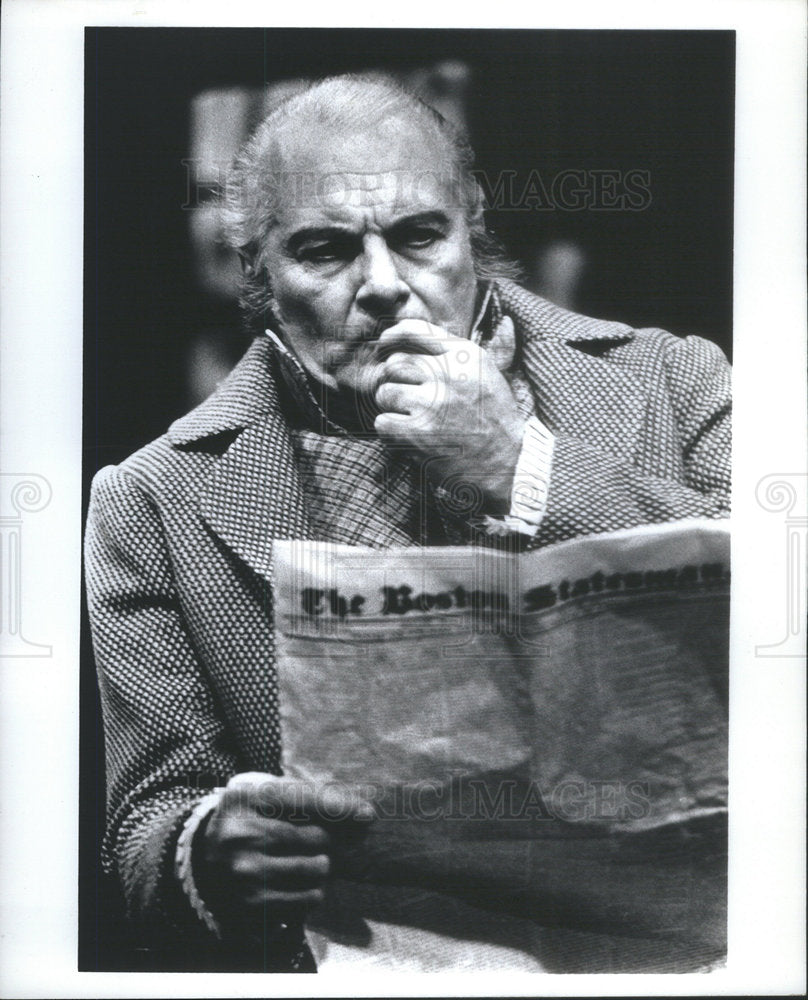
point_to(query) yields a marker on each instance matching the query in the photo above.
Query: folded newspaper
(543, 736)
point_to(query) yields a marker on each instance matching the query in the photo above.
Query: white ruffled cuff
(183, 859)
(531, 484)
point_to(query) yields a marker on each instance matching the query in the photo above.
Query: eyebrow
(314, 233)
(433, 218)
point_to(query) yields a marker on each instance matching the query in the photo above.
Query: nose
(383, 290)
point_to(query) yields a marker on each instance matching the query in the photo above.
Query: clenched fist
(444, 397)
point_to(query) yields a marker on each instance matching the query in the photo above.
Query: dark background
(658, 101)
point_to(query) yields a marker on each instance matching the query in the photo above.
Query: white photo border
(42, 321)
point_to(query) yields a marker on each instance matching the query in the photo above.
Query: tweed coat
(179, 556)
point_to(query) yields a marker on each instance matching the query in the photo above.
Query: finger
(395, 426)
(392, 397)
(298, 838)
(298, 874)
(289, 905)
(320, 803)
(273, 836)
(416, 401)
(411, 369)
(295, 873)
(402, 368)
(336, 803)
(416, 336)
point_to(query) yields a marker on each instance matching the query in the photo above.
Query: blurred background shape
(555, 270)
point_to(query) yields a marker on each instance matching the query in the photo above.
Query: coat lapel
(586, 397)
(253, 494)
(577, 393)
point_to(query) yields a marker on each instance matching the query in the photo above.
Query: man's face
(369, 232)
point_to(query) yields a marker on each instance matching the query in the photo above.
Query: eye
(327, 251)
(418, 238)
(322, 253)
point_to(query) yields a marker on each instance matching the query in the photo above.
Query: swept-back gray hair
(348, 104)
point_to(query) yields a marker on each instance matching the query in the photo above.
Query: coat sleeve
(165, 743)
(591, 491)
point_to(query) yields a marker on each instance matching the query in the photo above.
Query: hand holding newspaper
(543, 737)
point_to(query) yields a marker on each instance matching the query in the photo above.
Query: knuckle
(227, 828)
(229, 807)
(321, 865)
(269, 805)
(388, 395)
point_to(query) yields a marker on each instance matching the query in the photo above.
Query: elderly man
(401, 390)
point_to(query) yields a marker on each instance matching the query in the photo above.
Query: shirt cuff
(531, 483)
(183, 864)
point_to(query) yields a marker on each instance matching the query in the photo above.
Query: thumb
(392, 425)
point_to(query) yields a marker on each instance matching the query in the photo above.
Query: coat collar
(247, 394)
(538, 317)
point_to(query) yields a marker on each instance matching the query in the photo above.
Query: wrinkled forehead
(397, 165)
